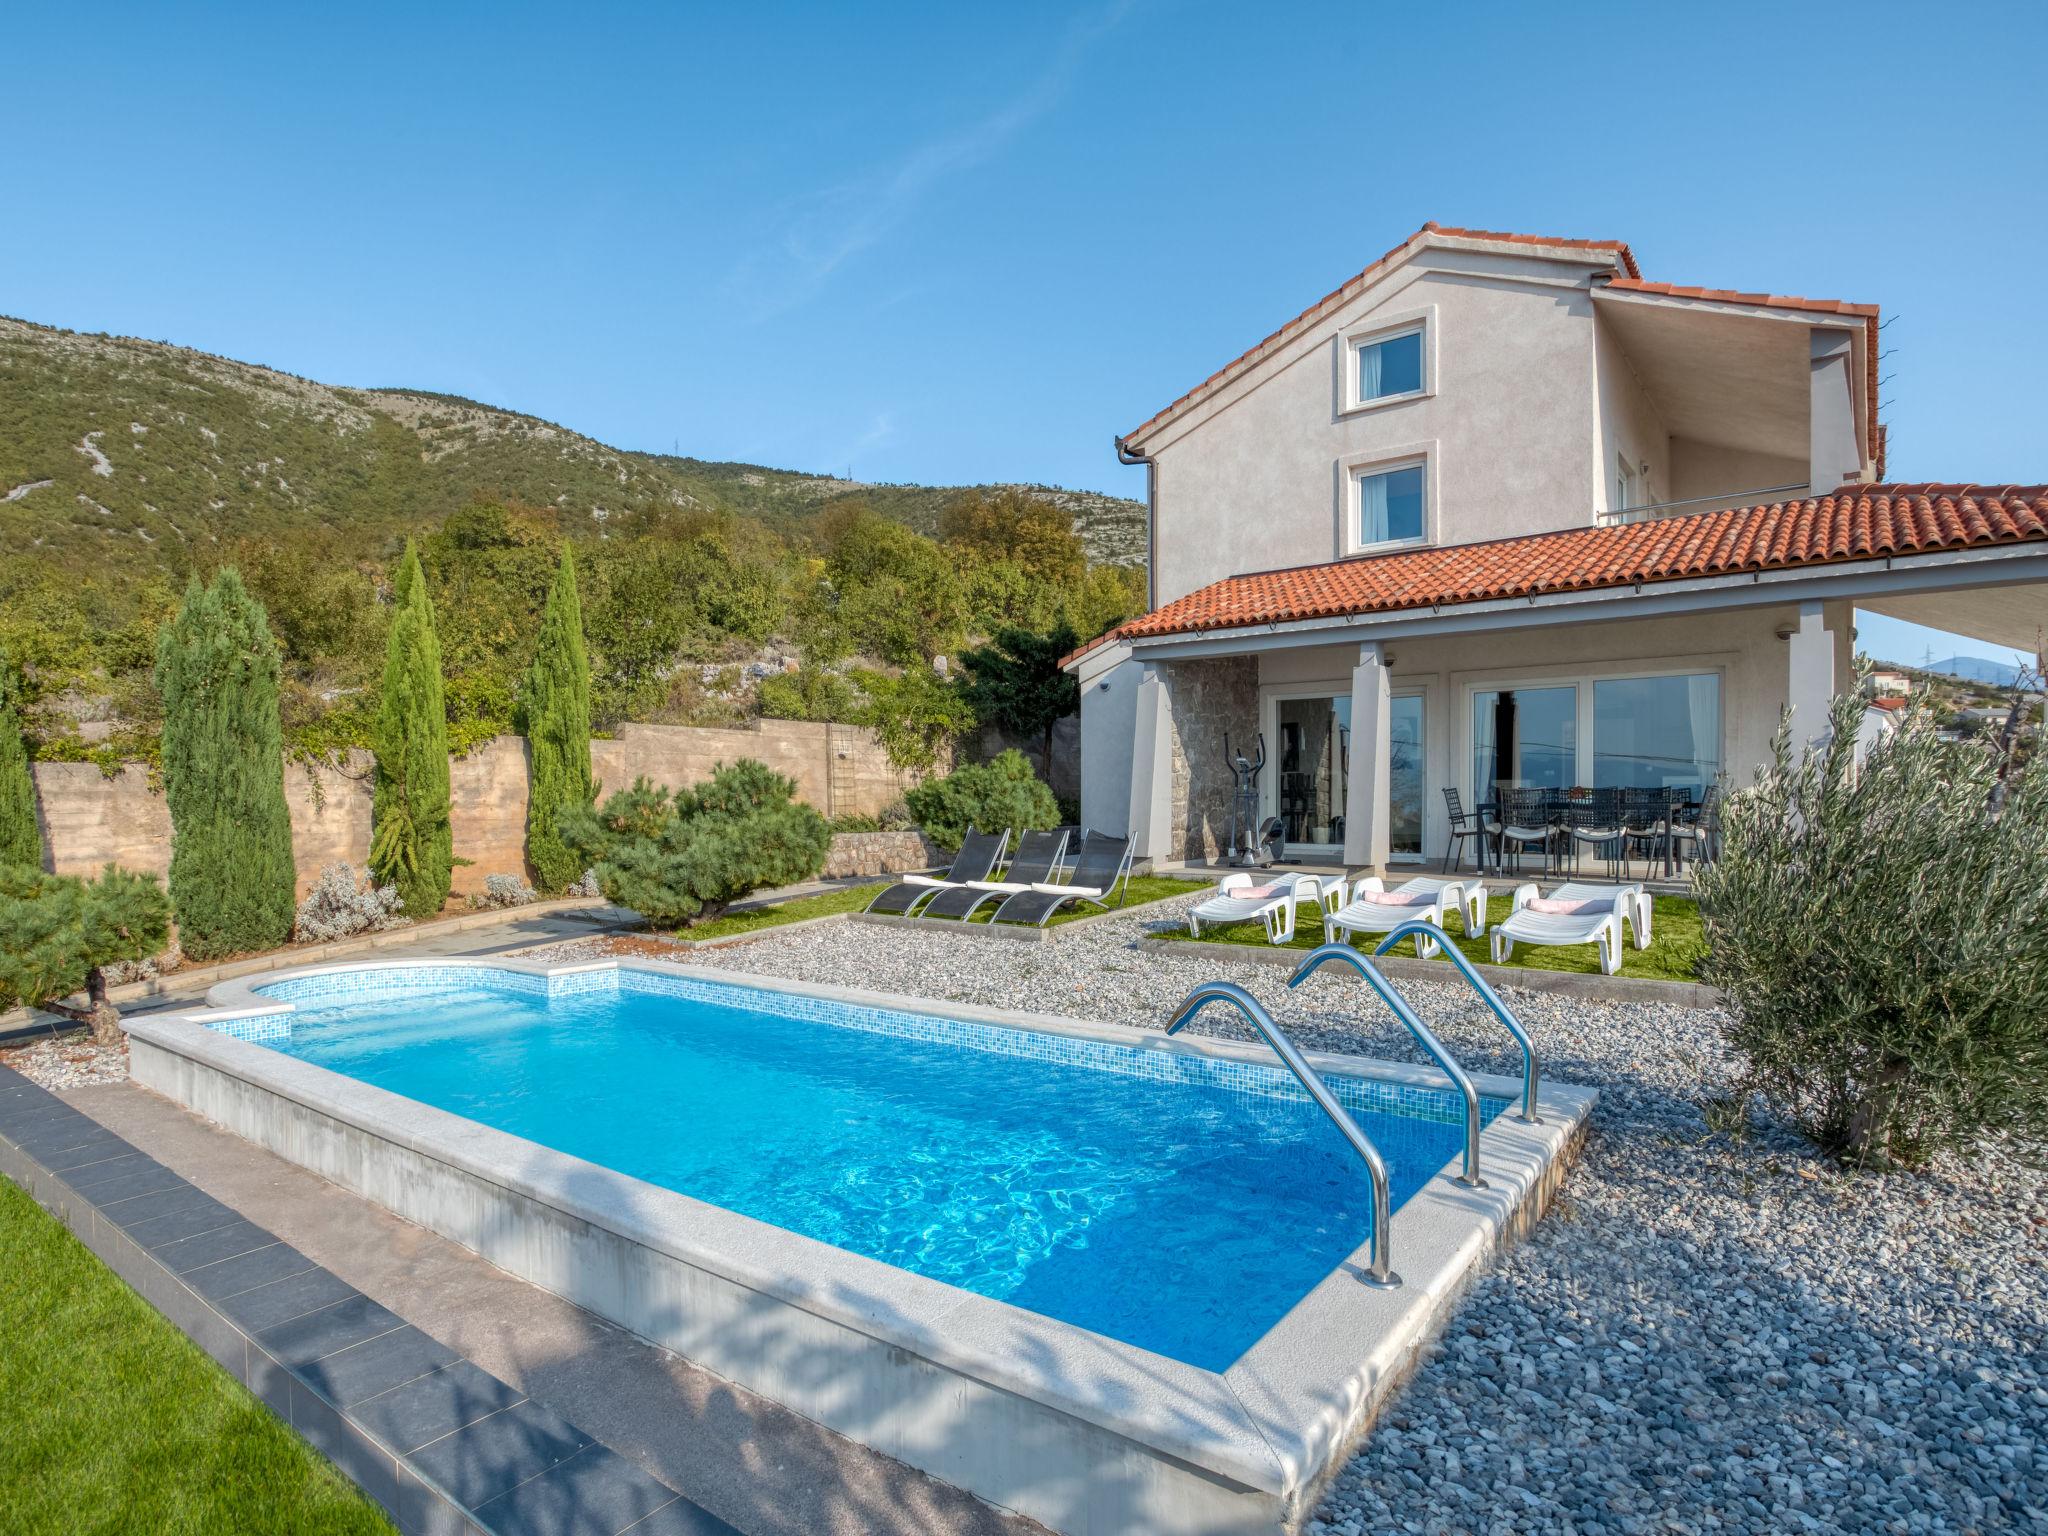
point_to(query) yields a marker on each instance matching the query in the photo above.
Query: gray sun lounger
(1039, 856)
(979, 853)
(1104, 865)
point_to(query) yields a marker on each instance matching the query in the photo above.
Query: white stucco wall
(1108, 726)
(1257, 478)
(1742, 646)
(1709, 469)
(1628, 428)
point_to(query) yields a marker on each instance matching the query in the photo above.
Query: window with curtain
(1525, 738)
(1390, 366)
(1390, 505)
(1657, 732)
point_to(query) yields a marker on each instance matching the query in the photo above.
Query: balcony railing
(1608, 519)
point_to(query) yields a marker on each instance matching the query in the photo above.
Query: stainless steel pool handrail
(1531, 1072)
(1382, 1268)
(1322, 955)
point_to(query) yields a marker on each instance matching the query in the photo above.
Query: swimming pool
(1171, 1201)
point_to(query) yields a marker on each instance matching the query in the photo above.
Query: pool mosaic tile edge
(1369, 1095)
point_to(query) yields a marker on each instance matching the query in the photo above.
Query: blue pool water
(1176, 1203)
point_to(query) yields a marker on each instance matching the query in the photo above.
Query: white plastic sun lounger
(1428, 897)
(1636, 914)
(1590, 915)
(1242, 898)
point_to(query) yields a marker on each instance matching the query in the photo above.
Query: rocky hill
(120, 456)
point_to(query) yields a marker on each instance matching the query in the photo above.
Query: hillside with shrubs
(711, 593)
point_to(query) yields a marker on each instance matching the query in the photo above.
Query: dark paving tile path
(442, 1444)
(464, 1382)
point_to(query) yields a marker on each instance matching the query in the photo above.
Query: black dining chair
(1646, 821)
(1593, 822)
(1526, 819)
(1464, 824)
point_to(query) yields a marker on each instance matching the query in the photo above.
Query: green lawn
(112, 1421)
(1674, 952)
(1145, 888)
(849, 898)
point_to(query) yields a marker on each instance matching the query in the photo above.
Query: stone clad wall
(90, 819)
(1205, 701)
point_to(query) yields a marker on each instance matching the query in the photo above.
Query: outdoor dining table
(1557, 802)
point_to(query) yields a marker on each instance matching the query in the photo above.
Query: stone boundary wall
(881, 853)
(89, 819)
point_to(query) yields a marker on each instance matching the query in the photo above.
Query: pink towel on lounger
(1568, 908)
(1252, 893)
(1397, 898)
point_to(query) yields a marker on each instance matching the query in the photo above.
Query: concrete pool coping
(1244, 1449)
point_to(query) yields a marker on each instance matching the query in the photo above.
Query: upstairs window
(1390, 509)
(1624, 485)
(1389, 366)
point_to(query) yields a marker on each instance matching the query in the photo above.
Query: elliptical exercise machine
(1252, 846)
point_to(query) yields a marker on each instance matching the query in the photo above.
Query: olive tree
(1881, 932)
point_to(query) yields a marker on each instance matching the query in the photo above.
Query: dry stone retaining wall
(90, 819)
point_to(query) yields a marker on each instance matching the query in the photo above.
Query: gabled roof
(1627, 278)
(1856, 522)
(1622, 258)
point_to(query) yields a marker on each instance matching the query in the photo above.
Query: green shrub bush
(681, 859)
(21, 841)
(1001, 794)
(59, 933)
(1882, 937)
(413, 846)
(556, 710)
(233, 881)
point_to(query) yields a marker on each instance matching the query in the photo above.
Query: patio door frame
(1581, 680)
(1270, 700)
(1271, 697)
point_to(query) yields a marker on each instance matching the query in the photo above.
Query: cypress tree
(413, 847)
(232, 876)
(21, 841)
(557, 705)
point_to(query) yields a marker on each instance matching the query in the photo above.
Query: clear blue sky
(972, 243)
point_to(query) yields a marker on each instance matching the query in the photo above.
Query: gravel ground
(1710, 1332)
(63, 1061)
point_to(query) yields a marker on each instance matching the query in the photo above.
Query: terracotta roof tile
(1856, 522)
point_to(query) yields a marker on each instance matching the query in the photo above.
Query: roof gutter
(1127, 455)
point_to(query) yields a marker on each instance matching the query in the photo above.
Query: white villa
(1499, 510)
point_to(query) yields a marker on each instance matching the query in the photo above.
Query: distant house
(1887, 684)
(1500, 510)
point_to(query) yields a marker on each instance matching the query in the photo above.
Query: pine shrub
(1001, 794)
(1881, 933)
(557, 708)
(681, 859)
(60, 934)
(21, 840)
(232, 876)
(412, 845)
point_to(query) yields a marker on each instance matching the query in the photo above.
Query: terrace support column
(1151, 771)
(1368, 806)
(1810, 674)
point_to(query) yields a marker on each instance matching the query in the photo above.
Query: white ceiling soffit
(2010, 616)
(1731, 380)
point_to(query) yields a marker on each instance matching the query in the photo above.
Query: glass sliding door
(1657, 732)
(1525, 738)
(1405, 789)
(1314, 740)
